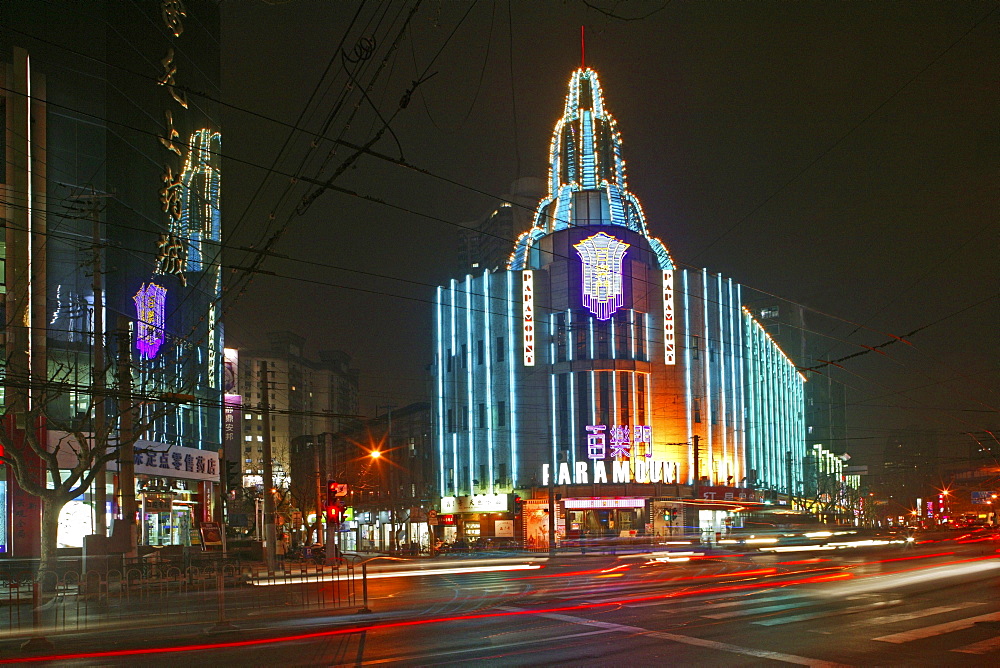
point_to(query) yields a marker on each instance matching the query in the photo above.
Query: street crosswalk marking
(917, 614)
(759, 610)
(837, 612)
(687, 602)
(937, 629)
(981, 647)
(690, 640)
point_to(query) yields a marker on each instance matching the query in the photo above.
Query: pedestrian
(280, 547)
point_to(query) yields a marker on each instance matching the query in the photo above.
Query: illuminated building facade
(308, 398)
(593, 358)
(101, 140)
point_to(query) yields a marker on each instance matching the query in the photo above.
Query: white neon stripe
(512, 394)
(488, 345)
(442, 366)
(470, 411)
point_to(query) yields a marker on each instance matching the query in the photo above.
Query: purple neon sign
(149, 308)
(603, 290)
(620, 438)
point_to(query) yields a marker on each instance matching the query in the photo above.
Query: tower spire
(583, 50)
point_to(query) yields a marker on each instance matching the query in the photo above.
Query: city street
(933, 604)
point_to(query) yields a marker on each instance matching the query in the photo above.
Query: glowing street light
(375, 454)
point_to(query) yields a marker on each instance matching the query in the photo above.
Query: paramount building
(591, 358)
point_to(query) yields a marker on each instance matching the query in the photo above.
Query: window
(501, 413)
(451, 420)
(697, 410)
(480, 352)
(500, 349)
(695, 346)
(449, 357)
(248, 438)
(502, 474)
(560, 337)
(465, 418)
(482, 416)
(465, 356)
(483, 482)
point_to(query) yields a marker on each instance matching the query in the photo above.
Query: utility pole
(697, 469)
(552, 506)
(270, 535)
(319, 496)
(393, 541)
(99, 490)
(788, 476)
(126, 445)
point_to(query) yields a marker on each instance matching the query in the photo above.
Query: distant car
(497, 543)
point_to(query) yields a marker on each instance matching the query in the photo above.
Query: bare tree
(63, 472)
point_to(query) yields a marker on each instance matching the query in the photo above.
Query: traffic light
(331, 493)
(518, 505)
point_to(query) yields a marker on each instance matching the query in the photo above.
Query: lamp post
(386, 481)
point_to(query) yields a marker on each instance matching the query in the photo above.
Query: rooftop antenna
(583, 50)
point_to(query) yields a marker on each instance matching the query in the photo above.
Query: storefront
(174, 491)
(589, 518)
(477, 517)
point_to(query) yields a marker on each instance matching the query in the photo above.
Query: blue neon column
(469, 358)
(488, 342)
(441, 367)
(511, 387)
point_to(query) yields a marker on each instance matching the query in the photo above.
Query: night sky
(842, 156)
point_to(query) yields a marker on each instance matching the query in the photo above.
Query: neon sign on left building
(149, 309)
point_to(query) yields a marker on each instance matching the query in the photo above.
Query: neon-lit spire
(587, 184)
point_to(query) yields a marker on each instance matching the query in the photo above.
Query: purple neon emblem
(602, 256)
(149, 307)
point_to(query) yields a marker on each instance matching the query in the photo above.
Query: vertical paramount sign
(668, 317)
(528, 313)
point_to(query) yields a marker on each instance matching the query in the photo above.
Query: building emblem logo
(149, 307)
(602, 256)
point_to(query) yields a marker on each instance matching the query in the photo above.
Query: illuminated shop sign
(578, 504)
(149, 307)
(616, 442)
(165, 461)
(528, 313)
(603, 290)
(621, 472)
(479, 503)
(668, 317)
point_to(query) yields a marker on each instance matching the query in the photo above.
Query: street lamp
(376, 455)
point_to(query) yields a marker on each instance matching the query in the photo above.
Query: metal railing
(156, 595)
